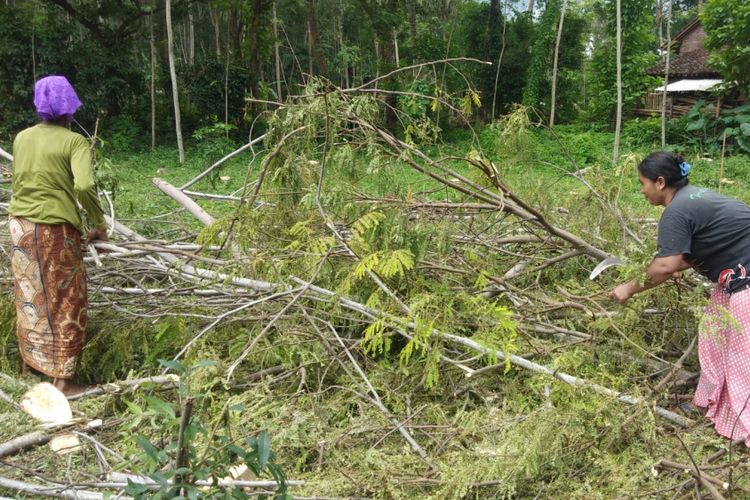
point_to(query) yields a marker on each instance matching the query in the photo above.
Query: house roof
(696, 22)
(691, 85)
(693, 64)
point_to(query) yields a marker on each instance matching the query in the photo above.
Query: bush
(121, 134)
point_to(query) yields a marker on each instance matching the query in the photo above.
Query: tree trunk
(395, 48)
(312, 25)
(33, 53)
(254, 38)
(173, 76)
(660, 21)
(276, 55)
(618, 115)
(226, 92)
(234, 31)
(213, 15)
(530, 8)
(554, 65)
(492, 17)
(666, 79)
(499, 62)
(345, 63)
(152, 45)
(411, 13)
(308, 32)
(190, 37)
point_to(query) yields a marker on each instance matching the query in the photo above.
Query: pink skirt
(724, 354)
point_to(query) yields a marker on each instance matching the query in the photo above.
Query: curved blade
(604, 265)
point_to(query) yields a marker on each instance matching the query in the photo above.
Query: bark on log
(24, 442)
(183, 200)
(120, 477)
(60, 491)
(167, 381)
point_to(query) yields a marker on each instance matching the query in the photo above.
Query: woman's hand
(622, 293)
(659, 271)
(96, 234)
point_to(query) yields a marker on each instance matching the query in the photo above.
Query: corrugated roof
(690, 85)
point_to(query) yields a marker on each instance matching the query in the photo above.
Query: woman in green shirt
(52, 173)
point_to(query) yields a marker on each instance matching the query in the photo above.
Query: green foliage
(710, 130)
(203, 87)
(16, 87)
(9, 351)
(727, 25)
(208, 455)
(537, 92)
(123, 135)
(484, 41)
(637, 44)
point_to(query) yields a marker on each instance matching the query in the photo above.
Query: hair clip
(685, 168)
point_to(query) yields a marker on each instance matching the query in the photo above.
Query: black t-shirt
(713, 233)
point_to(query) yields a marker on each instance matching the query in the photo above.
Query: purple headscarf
(54, 97)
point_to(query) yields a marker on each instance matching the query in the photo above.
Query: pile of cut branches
(398, 319)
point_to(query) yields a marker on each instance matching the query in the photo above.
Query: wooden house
(690, 79)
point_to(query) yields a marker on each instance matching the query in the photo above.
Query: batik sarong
(724, 354)
(50, 285)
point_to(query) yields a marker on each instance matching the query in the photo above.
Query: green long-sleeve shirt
(51, 170)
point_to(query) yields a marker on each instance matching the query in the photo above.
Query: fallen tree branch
(183, 200)
(516, 360)
(218, 163)
(123, 478)
(60, 491)
(24, 442)
(706, 480)
(37, 438)
(167, 381)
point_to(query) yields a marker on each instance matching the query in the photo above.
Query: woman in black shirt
(711, 233)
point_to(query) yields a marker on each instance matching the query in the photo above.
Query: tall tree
(666, 77)
(314, 38)
(637, 40)
(276, 54)
(618, 51)
(499, 63)
(554, 65)
(152, 80)
(173, 76)
(538, 89)
(727, 24)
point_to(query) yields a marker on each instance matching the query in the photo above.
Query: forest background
(360, 103)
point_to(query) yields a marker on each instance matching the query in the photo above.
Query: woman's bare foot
(68, 387)
(691, 410)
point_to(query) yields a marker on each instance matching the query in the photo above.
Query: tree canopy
(234, 57)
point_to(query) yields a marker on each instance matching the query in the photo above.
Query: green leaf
(264, 449)
(150, 450)
(395, 263)
(205, 363)
(696, 125)
(136, 489)
(366, 264)
(160, 406)
(745, 128)
(175, 366)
